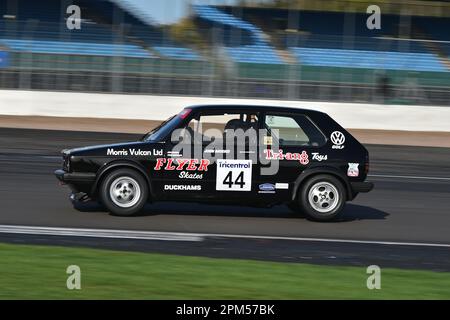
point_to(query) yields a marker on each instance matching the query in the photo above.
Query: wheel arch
(309, 173)
(120, 164)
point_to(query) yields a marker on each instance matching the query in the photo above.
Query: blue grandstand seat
(81, 48)
(368, 59)
(357, 43)
(44, 37)
(141, 28)
(253, 54)
(89, 32)
(214, 14)
(325, 45)
(250, 47)
(177, 52)
(49, 25)
(162, 44)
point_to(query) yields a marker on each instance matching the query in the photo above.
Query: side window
(294, 130)
(214, 126)
(211, 127)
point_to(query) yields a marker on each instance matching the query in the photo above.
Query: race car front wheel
(322, 197)
(124, 192)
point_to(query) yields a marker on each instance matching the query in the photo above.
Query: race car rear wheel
(322, 197)
(124, 192)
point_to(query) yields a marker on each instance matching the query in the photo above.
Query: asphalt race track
(410, 204)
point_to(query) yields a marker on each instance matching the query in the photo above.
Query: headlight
(66, 163)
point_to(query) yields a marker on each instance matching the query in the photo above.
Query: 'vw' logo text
(338, 139)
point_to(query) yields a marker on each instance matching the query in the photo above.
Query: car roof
(224, 107)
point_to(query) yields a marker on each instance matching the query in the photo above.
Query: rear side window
(296, 130)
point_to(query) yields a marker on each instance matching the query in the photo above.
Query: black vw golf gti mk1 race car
(228, 154)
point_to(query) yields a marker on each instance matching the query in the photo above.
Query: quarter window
(294, 130)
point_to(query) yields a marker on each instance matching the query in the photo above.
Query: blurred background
(291, 50)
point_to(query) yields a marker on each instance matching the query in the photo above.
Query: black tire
(127, 183)
(326, 186)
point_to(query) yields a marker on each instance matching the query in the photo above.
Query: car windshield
(151, 134)
(165, 127)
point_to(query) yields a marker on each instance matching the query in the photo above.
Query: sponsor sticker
(280, 155)
(216, 151)
(114, 152)
(190, 175)
(182, 187)
(266, 188)
(133, 152)
(319, 157)
(234, 175)
(267, 140)
(173, 154)
(353, 170)
(338, 140)
(181, 164)
(281, 185)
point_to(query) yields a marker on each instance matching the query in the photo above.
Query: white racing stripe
(177, 236)
(101, 233)
(408, 177)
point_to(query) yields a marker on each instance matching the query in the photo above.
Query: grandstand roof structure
(413, 7)
(129, 6)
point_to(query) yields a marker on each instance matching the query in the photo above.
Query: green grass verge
(39, 272)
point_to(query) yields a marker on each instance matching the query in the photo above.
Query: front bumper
(75, 177)
(358, 187)
(80, 183)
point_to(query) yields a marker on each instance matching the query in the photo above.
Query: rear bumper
(358, 187)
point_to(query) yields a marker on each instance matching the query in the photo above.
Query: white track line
(101, 233)
(408, 177)
(177, 236)
(424, 244)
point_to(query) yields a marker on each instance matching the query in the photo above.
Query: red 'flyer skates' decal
(181, 164)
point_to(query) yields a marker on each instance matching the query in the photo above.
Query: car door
(229, 140)
(185, 170)
(238, 171)
(202, 163)
(232, 160)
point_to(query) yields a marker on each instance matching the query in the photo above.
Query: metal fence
(215, 87)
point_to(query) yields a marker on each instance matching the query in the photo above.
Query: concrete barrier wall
(150, 107)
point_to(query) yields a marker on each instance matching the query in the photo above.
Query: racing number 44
(239, 180)
(234, 175)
